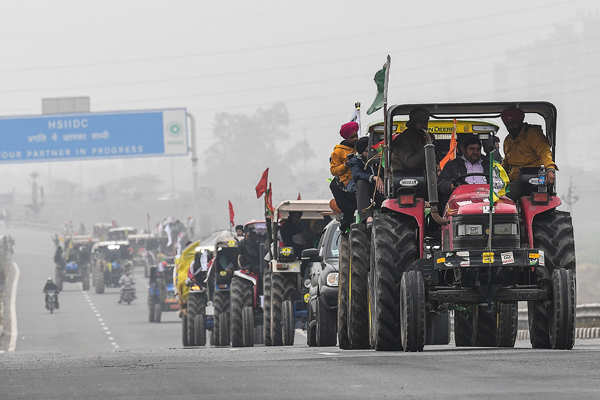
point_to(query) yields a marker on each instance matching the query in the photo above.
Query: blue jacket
(357, 166)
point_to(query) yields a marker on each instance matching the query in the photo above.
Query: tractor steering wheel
(460, 180)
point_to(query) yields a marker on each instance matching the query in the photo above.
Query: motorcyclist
(127, 283)
(50, 286)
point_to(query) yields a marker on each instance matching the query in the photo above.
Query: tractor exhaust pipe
(431, 173)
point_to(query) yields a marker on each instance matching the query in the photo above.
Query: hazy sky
(318, 57)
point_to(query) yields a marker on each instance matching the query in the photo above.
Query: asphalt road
(94, 348)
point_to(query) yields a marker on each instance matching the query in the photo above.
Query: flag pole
(386, 139)
(490, 226)
(357, 112)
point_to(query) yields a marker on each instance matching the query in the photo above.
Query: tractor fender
(250, 277)
(530, 210)
(417, 211)
(246, 275)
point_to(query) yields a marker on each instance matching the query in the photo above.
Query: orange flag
(451, 155)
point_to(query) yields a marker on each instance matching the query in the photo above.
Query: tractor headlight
(469, 230)
(505, 229)
(333, 279)
(307, 283)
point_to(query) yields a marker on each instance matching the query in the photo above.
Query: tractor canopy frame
(544, 109)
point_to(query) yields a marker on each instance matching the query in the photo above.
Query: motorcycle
(127, 295)
(51, 301)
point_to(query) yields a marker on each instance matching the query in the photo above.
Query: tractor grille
(480, 241)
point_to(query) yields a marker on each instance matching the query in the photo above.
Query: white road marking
(13, 310)
(329, 354)
(101, 321)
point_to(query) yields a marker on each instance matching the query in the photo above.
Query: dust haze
(269, 84)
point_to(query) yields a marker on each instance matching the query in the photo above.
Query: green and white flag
(380, 82)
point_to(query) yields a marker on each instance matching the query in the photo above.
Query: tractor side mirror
(310, 255)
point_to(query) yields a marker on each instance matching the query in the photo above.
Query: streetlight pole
(194, 165)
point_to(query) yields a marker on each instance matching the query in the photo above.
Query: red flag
(231, 214)
(261, 186)
(451, 155)
(269, 201)
(299, 196)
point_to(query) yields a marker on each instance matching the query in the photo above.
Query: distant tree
(247, 144)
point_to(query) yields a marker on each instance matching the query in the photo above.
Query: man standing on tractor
(525, 146)
(469, 163)
(407, 147)
(345, 199)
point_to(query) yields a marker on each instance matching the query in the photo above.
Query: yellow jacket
(337, 162)
(182, 266)
(529, 149)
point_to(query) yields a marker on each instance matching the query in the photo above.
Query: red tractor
(474, 259)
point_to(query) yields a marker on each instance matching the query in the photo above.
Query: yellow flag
(501, 181)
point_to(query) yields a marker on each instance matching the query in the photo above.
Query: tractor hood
(474, 199)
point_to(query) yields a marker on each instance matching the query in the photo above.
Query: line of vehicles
(262, 288)
(391, 284)
(399, 279)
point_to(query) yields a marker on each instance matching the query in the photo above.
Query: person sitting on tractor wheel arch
(364, 178)
(525, 146)
(408, 147)
(345, 199)
(471, 161)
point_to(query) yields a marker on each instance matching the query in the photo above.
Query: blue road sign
(93, 136)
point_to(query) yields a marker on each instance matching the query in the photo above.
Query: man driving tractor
(470, 162)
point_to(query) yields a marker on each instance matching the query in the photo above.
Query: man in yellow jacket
(345, 200)
(525, 146)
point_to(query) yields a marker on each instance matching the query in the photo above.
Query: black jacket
(50, 287)
(249, 255)
(452, 170)
(408, 150)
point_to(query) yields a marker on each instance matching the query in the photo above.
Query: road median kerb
(580, 333)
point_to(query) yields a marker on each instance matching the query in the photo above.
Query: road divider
(580, 333)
